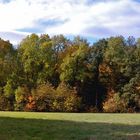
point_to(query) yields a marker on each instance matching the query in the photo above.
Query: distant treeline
(56, 74)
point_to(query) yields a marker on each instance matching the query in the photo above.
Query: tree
(131, 94)
(36, 55)
(56, 74)
(115, 58)
(96, 60)
(6, 57)
(74, 65)
(131, 42)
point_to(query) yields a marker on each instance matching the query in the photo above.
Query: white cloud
(13, 37)
(90, 18)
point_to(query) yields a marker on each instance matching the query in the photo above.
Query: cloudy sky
(93, 19)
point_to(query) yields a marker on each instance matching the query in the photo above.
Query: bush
(30, 106)
(125, 101)
(21, 97)
(43, 97)
(72, 103)
(46, 98)
(66, 99)
(117, 103)
(5, 104)
(92, 109)
(110, 104)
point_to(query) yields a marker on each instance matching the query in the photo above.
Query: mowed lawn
(68, 126)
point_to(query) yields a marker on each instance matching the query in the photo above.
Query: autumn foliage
(57, 74)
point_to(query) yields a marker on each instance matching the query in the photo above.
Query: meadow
(68, 126)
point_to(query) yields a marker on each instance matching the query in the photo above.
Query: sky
(91, 19)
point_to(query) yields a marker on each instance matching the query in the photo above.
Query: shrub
(72, 103)
(5, 104)
(43, 97)
(92, 109)
(21, 97)
(8, 90)
(116, 103)
(30, 106)
(66, 99)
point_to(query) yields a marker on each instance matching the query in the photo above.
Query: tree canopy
(57, 74)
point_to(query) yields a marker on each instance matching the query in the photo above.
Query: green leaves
(111, 64)
(74, 64)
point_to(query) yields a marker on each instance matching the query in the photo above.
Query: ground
(69, 126)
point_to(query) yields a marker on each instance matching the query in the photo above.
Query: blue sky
(92, 19)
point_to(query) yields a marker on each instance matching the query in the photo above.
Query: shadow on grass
(39, 129)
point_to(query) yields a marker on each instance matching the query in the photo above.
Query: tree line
(57, 74)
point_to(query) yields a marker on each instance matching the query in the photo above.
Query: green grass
(69, 126)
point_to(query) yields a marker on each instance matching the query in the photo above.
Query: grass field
(68, 126)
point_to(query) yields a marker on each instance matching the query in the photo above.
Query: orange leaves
(30, 106)
(104, 68)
